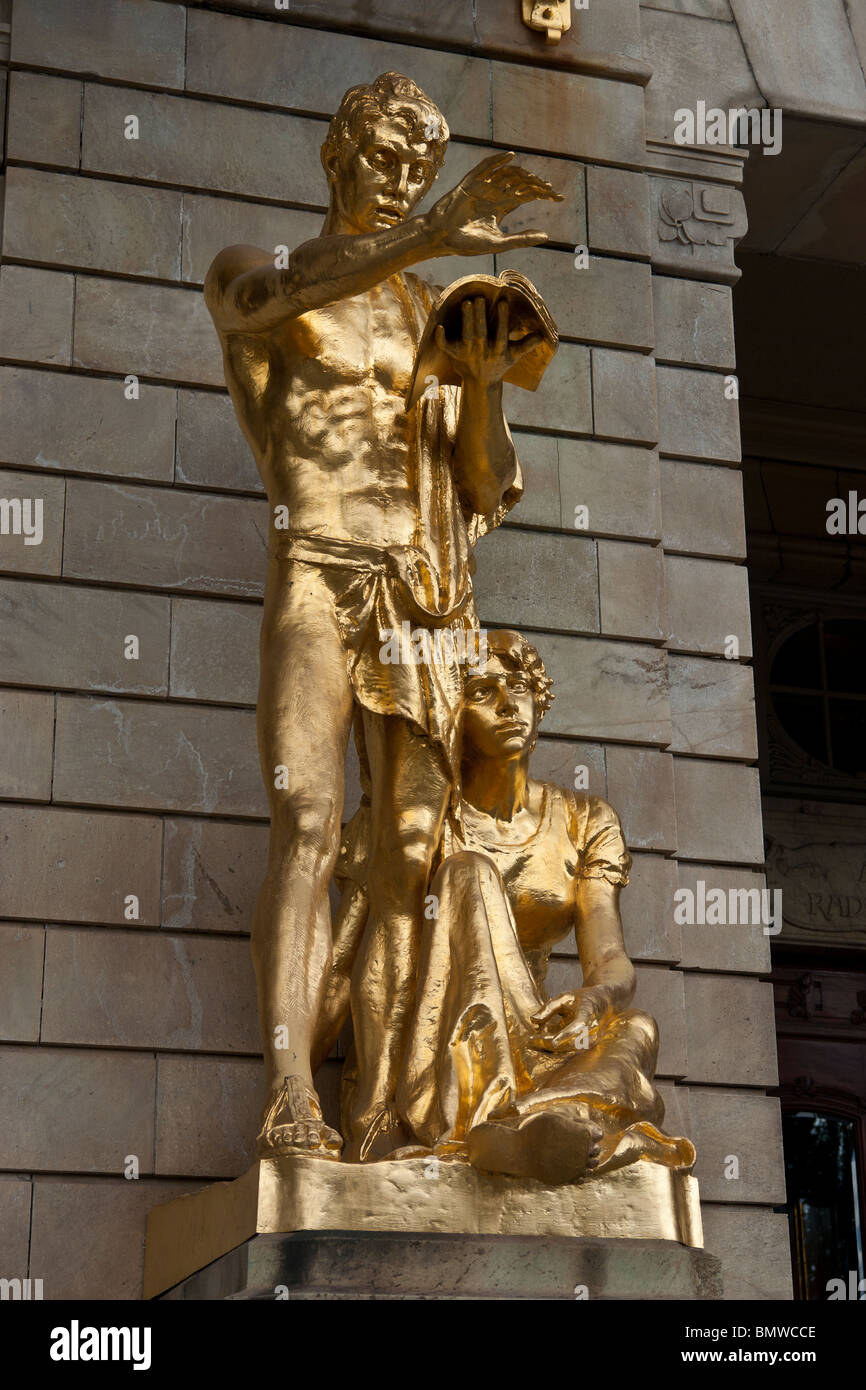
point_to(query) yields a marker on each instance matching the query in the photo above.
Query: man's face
(500, 717)
(384, 178)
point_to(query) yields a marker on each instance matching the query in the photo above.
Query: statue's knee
(306, 831)
(406, 855)
(642, 1026)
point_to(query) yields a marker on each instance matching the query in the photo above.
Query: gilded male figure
(383, 507)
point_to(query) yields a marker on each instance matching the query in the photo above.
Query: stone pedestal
(422, 1228)
(393, 1264)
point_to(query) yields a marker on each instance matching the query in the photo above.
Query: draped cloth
(427, 584)
(470, 1057)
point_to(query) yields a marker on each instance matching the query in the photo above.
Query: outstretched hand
(466, 220)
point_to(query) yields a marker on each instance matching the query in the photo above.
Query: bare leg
(304, 717)
(347, 934)
(410, 792)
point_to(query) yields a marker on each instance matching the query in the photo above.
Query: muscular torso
(321, 401)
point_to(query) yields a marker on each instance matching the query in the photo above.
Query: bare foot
(551, 1146)
(293, 1124)
(644, 1140)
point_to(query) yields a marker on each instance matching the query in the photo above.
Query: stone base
(412, 1197)
(391, 1264)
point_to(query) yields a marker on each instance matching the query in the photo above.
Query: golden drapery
(471, 1058)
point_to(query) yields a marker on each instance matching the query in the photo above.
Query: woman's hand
(583, 1012)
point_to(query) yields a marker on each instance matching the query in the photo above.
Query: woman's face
(500, 718)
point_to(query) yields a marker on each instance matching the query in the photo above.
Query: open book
(527, 313)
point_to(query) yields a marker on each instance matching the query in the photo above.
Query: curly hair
(390, 95)
(513, 650)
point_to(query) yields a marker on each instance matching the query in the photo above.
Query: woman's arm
(598, 930)
(608, 974)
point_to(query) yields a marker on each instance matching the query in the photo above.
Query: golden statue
(373, 404)
(493, 1071)
(375, 509)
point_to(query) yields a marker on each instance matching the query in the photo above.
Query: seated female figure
(495, 1071)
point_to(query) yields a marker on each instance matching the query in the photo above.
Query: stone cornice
(720, 164)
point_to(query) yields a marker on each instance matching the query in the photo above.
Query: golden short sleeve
(603, 852)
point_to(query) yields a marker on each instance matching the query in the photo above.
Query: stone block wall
(135, 1035)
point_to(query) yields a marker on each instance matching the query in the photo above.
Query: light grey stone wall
(140, 777)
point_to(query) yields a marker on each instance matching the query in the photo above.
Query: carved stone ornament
(698, 225)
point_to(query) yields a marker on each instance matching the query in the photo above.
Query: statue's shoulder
(227, 265)
(588, 816)
(597, 835)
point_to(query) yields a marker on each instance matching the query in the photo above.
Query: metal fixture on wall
(551, 17)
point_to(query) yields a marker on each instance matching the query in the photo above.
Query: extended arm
(245, 292)
(608, 974)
